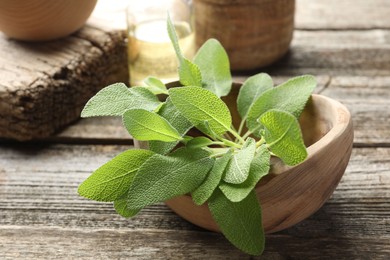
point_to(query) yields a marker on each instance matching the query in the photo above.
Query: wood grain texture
(44, 86)
(353, 53)
(42, 216)
(342, 14)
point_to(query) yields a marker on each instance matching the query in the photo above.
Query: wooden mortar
(255, 33)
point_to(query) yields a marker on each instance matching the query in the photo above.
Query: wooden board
(44, 86)
(42, 214)
(342, 14)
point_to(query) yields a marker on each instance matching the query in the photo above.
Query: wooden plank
(44, 86)
(342, 14)
(354, 53)
(49, 243)
(39, 202)
(368, 99)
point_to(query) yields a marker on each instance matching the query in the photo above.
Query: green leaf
(189, 72)
(290, 96)
(115, 99)
(214, 66)
(155, 85)
(199, 105)
(144, 125)
(198, 142)
(120, 206)
(112, 180)
(252, 88)
(206, 189)
(240, 222)
(177, 120)
(164, 177)
(238, 168)
(259, 168)
(283, 136)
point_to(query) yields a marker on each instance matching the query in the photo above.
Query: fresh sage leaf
(177, 120)
(120, 206)
(238, 168)
(290, 96)
(144, 125)
(155, 85)
(214, 66)
(206, 189)
(164, 177)
(283, 136)
(112, 180)
(259, 168)
(240, 222)
(252, 88)
(189, 73)
(117, 98)
(198, 142)
(199, 105)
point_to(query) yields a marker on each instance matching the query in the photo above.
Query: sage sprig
(220, 168)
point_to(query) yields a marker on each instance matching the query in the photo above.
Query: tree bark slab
(44, 86)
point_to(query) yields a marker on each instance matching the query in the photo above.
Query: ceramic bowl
(288, 194)
(39, 20)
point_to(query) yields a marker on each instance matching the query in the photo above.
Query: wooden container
(255, 33)
(39, 20)
(288, 194)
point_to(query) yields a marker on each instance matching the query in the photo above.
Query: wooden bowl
(287, 194)
(255, 33)
(38, 20)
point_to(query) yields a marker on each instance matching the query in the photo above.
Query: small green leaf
(115, 99)
(155, 85)
(189, 72)
(283, 136)
(198, 142)
(240, 222)
(206, 189)
(214, 66)
(259, 168)
(164, 177)
(120, 206)
(290, 96)
(199, 105)
(112, 180)
(144, 125)
(238, 168)
(177, 120)
(252, 88)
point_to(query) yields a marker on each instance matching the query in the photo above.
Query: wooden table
(345, 43)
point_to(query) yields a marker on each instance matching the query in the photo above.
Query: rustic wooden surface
(345, 43)
(44, 85)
